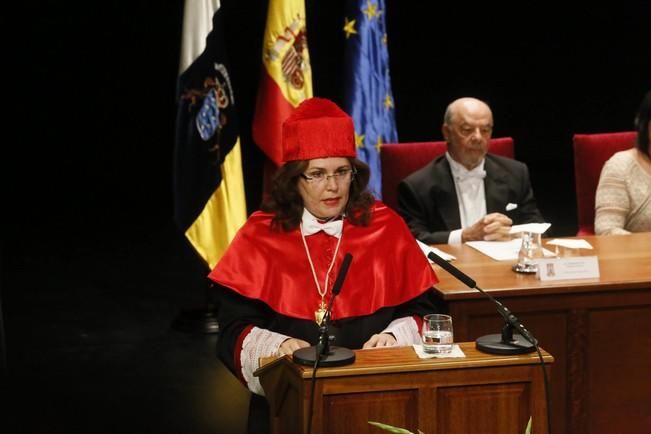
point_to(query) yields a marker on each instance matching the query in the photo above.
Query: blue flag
(368, 98)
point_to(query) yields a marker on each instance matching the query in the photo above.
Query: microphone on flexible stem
(325, 354)
(506, 342)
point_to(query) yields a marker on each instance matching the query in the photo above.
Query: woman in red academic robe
(276, 277)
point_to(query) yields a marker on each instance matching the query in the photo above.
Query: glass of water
(530, 251)
(437, 333)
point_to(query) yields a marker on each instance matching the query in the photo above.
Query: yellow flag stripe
(281, 56)
(224, 213)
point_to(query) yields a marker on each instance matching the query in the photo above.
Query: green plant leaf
(528, 430)
(390, 428)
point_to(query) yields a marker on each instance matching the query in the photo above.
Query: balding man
(467, 194)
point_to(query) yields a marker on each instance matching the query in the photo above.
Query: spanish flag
(209, 196)
(286, 76)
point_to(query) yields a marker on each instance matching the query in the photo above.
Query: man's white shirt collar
(461, 174)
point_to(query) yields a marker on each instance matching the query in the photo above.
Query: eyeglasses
(318, 177)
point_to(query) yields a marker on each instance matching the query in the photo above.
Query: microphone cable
(546, 382)
(312, 388)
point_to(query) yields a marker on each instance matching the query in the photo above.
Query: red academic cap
(318, 128)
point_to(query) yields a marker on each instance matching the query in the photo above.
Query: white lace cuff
(258, 343)
(405, 330)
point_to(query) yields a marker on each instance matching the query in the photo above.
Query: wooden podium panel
(479, 393)
(599, 330)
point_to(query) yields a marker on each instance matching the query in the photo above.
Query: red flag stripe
(270, 112)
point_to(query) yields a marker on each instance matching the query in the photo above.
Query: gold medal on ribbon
(320, 313)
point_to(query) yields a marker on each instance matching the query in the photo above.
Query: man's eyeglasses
(320, 177)
(467, 130)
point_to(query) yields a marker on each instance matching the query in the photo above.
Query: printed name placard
(579, 267)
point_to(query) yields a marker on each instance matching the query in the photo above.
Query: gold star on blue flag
(368, 98)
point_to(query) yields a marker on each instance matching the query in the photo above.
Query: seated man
(467, 194)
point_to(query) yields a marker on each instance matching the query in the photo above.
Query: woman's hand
(380, 340)
(290, 345)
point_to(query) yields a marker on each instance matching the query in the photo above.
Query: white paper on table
(426, 249)
(502, 250)
(455, 353)
(570, 244)
(536, 228)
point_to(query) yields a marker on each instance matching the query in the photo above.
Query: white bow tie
(312, 226)
(471, 174)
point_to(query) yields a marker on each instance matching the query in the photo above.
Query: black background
(94, 270)
(104, 107)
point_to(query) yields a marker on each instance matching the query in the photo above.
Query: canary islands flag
(209, 201)
(368, 98)
(286, 76)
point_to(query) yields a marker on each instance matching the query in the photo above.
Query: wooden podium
(479, 393)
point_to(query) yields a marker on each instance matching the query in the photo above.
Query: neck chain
(320, 312)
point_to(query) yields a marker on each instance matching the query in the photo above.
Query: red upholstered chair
(591, 151)
(401, 159)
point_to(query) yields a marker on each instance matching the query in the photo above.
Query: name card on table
(580, 267)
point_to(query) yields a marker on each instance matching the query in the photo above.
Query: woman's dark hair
(286, 202)
(642, 124)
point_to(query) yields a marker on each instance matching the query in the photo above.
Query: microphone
(339, 281)
(504, 343)
(322, 353)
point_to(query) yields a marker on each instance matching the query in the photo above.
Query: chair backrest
(591, 151)
(399, 160)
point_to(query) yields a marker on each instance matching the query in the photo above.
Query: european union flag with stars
(368, 98)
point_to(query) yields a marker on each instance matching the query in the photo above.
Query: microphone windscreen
(465, 279)
(342, 274)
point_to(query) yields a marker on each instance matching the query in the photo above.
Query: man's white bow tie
(471, 174)
(311, 226)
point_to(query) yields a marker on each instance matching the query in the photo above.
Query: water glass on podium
(437, 333)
